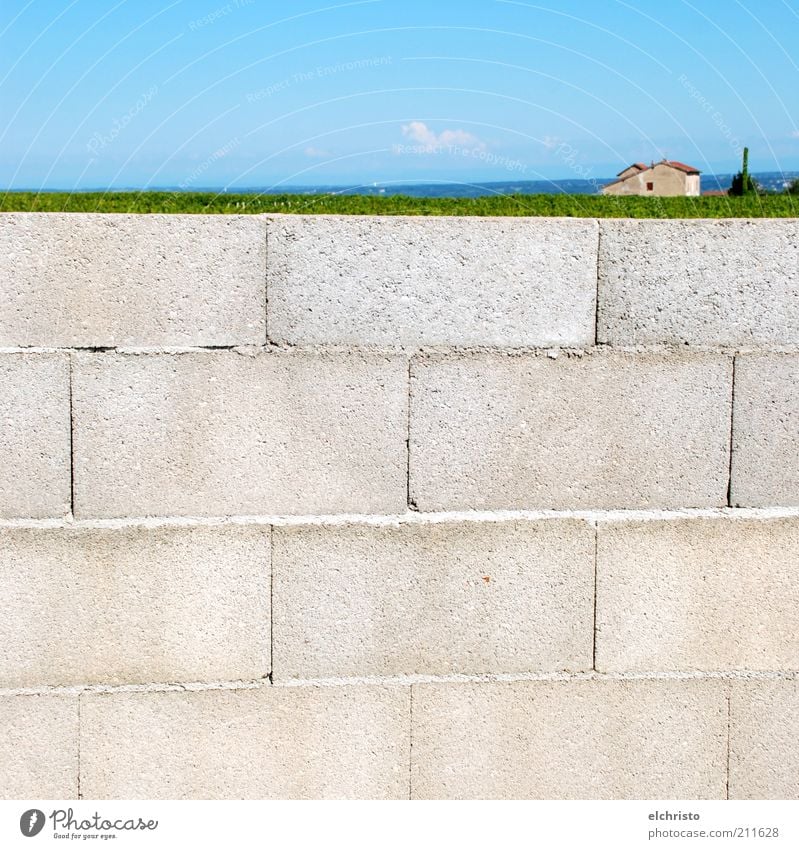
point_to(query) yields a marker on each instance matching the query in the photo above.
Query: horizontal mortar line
(413, 518)
(510, 677)
(402, 681)
(241, 347)
(161, 687)
(550, 350)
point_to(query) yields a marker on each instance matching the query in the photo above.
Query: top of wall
(97, 280)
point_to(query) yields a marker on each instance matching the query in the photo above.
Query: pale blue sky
(140, 93)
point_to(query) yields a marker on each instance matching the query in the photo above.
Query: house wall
(693, 185)
(408, 507)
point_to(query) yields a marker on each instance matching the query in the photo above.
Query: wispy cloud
(316, 153)
(795, 134)
(551, 142)
(419, 132)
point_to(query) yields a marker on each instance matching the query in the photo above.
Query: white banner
(405, 825)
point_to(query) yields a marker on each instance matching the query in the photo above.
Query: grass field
(588, 206)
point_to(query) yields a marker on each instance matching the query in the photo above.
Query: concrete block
(765, 456)
(78, 280)
(39, 747)
(764, 727)
(698, 594)
(726, 282)
(34, 436)
(221, 433)
(570, 740)
(267, 743)
(600, 430)
(134, 605)
(460, 597)
(432, 281)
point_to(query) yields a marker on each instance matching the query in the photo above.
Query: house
(666, 178)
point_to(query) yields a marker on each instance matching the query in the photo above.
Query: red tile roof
(639, 165)
(680, 166)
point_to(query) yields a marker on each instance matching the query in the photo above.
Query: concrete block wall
(303, 507)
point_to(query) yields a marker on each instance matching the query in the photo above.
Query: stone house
(666, 178)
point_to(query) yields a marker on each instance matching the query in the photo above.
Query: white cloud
(419, 132)
(795, 134)
(317, 153)
(551, 142)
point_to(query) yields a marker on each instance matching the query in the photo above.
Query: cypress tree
(742, 182)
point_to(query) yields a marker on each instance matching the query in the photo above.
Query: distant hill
(773, 181)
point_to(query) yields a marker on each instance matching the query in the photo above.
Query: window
(650, 187)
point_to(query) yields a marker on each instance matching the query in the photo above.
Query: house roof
(639, 165)
(680, 166)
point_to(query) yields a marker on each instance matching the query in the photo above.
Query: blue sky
(197, 93)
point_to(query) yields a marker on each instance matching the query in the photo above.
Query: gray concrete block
(765, 456)
(221, 433)
(726, 282)
(600, 430)
(268, 743)
(34, 436)
(570, 740)
(86, 280)
(764, 728)
(39, 747)
(134, 605)
(461, 597)
(698, 594)
(432, 281)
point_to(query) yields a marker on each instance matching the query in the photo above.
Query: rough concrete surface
(764, 728)
(570, 740)
(765, 459)
(463, 597)
(726, 282)
(426, 537)
(698, 594)
(34, 435)
(600, 430)
(432, 281)
(267, 743)
(99, 280)
(221, 433)
(38, 747)
(133, 605)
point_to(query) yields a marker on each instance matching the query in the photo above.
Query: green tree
(742, 182)
(793, 188)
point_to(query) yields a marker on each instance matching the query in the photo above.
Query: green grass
(587, 206)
